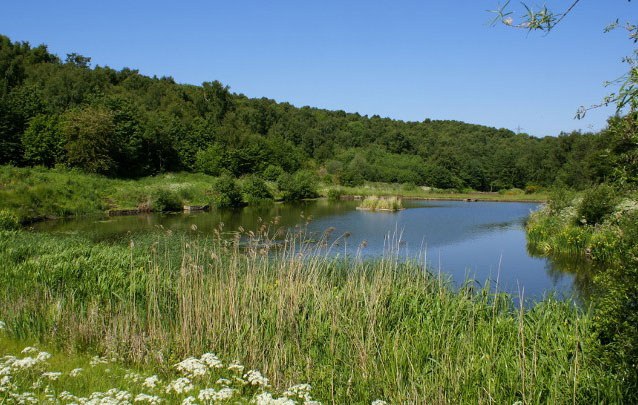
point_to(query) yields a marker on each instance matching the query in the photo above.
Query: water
(479, 240)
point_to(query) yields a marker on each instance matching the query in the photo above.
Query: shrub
(301, 185)
(272, 173)
(351, 177)
(559, 199)
(226, 193)
(8, 221)
(335, 194)
(597, 204)
(256, 190)
(532, 188)
(166, 200)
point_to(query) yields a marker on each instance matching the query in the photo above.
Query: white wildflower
(97, 360)
(254, 377)
(43, 356)
(151, 399)
(206, 394)
(151, 382)
(508, 21)
(30, 350)
(189, 401)
(179, 386)
(311, 403)
(76, 372)
(133, 377)
(265, 398)
(379, 402)
(300, 391)
(211, 360)
(192, 367)
(26, 398)
(24, 363)
(235, 367)
(51, 375)
(224, 394)
(224, 382)
(3, 325)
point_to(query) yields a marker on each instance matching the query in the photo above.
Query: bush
(532, 188)
(597, 204)
(559, 199)
(226, 193)
(335, 194)
(301, 185)
(272, 173)
(8, 221)
(255, 190)
(166, 200)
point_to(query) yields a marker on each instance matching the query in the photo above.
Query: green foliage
(597, 204)
(256, 190)
(42, 141)
(209, 160)
(124, 124)
(8, 220)
(335, 194)
(272, 172)
(89, 136)
(81, 297)
(532, 188)
(227, 193)
(559, 199)
(166, 200)
(302, 184)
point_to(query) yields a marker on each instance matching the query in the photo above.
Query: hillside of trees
(123, 124)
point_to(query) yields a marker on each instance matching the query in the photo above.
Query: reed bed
(300, 312)
(376, 203)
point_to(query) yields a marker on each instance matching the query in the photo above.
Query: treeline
(124, 124)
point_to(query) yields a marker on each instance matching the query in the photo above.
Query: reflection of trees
(582, 269)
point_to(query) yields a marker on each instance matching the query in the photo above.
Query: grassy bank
(355, 330)
(34, 193)
(563, 226)
(410, 191)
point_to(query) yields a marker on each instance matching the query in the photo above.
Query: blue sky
(407, 60)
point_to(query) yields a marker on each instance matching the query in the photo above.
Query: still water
(478, 240)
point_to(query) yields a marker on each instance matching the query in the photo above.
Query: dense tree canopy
(122, 123)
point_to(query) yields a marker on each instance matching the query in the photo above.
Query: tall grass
(37, 192)
(382, 203)
(356, 330)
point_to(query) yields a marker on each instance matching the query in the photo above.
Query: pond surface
(478, 240)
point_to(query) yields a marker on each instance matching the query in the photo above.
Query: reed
(375, 203)
(356, 330)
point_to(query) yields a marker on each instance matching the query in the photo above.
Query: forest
(123, 124)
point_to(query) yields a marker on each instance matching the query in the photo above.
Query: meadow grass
(356, 330)
(375, 203)
(427, 193)
(31, 193)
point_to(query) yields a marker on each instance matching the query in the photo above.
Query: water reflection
(482, 240)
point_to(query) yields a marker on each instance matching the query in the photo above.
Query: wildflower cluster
(26, 380)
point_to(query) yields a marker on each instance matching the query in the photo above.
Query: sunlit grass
(356, 330)
(375, 203)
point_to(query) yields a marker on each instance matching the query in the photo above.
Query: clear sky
(407, 60)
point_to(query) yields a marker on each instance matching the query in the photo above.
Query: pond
(478, 240)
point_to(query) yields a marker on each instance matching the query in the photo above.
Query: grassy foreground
(357, 331)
